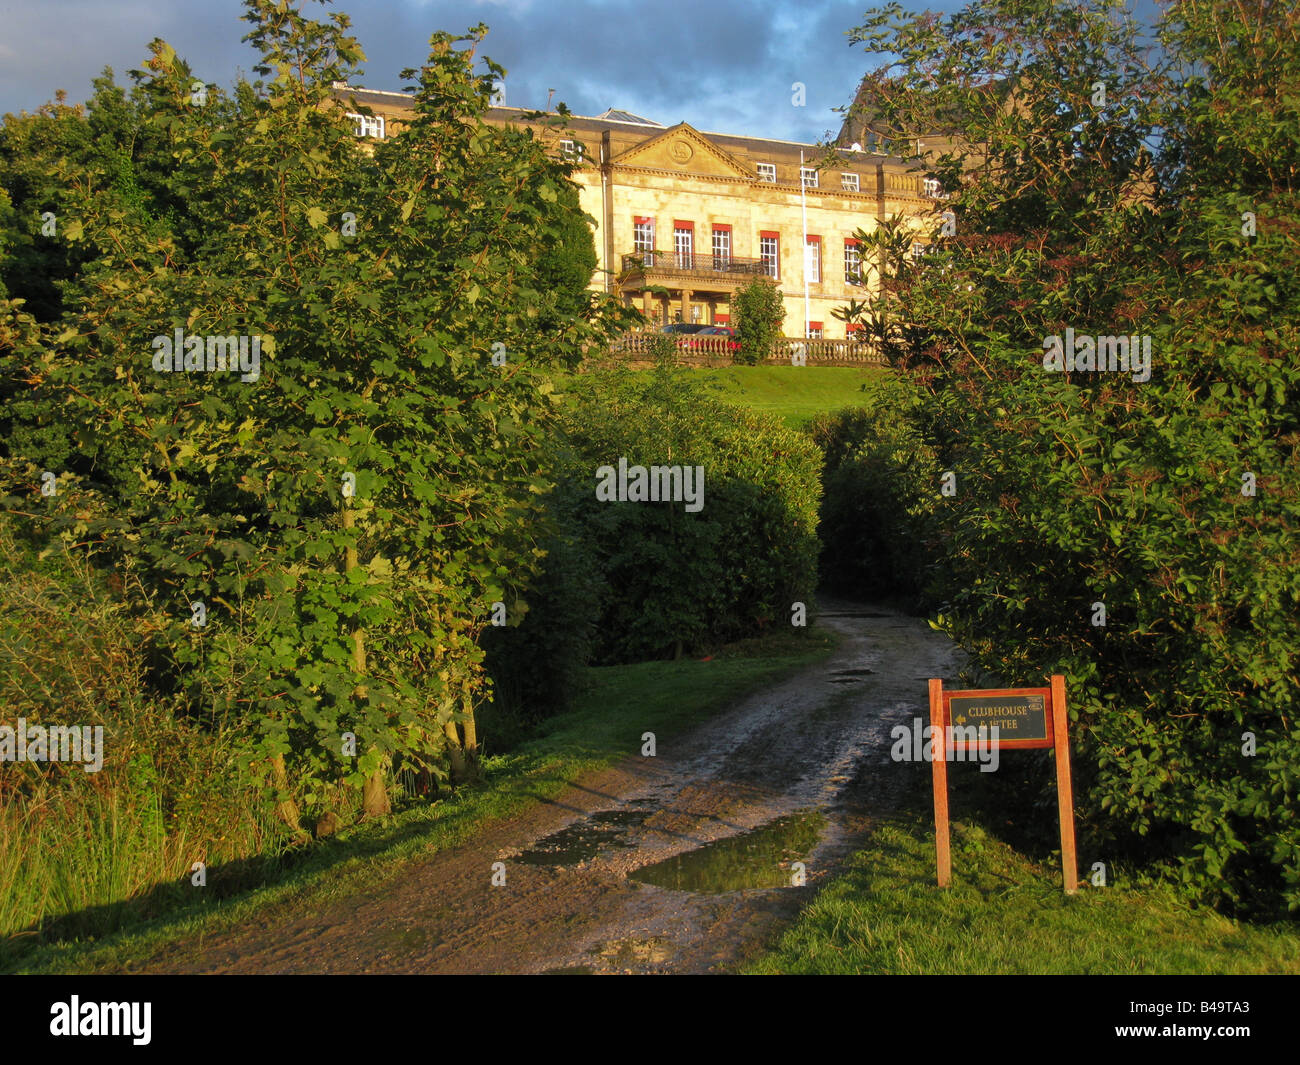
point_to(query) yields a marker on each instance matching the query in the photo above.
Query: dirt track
(818, 742)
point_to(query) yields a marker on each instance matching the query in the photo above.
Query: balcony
(705, 266)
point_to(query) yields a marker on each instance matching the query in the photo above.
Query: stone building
(683, 217)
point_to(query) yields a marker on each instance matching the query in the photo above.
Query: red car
(693, 341)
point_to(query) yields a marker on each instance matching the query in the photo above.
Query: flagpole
(803, 201)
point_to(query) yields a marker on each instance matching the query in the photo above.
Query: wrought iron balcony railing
(705, 264)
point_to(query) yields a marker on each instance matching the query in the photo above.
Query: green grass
(794, 393)
(615, 706)
(1004, 914)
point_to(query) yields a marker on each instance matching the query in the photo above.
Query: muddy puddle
(590, 885)
(859, 614)
(760, 858)
(586, 838)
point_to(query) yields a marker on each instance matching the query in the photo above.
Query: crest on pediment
(683, 149)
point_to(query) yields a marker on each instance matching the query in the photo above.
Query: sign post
(939, 773)
(1026, 719)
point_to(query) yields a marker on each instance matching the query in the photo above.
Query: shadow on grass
(174, 903)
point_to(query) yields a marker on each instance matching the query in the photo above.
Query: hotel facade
(683, 217)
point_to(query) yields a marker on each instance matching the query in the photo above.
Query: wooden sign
(1019, 713)
(1026, 719)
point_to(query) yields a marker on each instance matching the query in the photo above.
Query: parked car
(684, 327)
(716, 331)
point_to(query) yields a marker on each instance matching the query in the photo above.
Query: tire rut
(817, 742)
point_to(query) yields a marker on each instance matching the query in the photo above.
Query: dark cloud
(63, 44)
(725, 65)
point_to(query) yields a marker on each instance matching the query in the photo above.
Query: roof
(790, 148)
(614, 115)
(372, 96)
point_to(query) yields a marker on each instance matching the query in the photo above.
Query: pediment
(684, 150)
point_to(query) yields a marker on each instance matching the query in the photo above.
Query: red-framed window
(643, 238)
(721, 245)
(852, 262)
(684, 244)
(813, 258)
(769, 251)
(643, 233)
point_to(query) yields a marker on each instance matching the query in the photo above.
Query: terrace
(706, 265)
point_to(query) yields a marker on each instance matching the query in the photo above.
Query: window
(918, 251)
(643, 239)
(809, 176)
(721, 247)
(767, 172)
(769, 251)
(368, 125)
(814, 330)
(684, 245)
(933, 189)
(852, 263)
(571, 150)
(812, 252)
(849, 182)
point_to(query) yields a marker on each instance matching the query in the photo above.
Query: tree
(886, 263)
(1131, 526)
(349, 505)
(758, 312)
(568, 256)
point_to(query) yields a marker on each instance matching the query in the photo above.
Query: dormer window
(368, 125)
(849, 182)
(767, 172)
(808, 175)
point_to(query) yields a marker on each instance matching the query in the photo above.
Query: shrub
(79, 852)
(1076, 487)
(672, 581)
(757, 313)
(536, 660)
(880, 486)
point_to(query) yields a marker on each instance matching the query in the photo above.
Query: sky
(724, 66)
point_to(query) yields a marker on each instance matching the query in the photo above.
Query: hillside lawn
(795, 394)
(1006, 914)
